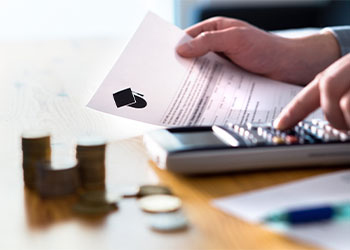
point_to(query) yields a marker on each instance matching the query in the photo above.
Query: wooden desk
(46, 85)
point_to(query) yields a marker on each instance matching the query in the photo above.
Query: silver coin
(153, 189)
(167, 221)
(160, 203)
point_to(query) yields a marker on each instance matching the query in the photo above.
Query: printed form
(151, 83)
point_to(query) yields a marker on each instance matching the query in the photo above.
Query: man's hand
(330, 90)
(295, 60)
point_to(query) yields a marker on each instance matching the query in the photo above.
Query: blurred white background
(61, 19)
(71, 19)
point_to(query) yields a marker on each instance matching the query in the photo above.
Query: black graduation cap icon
(127, 97)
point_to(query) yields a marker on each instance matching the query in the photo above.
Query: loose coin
(167, 221)
(146, 190)
(159, 203)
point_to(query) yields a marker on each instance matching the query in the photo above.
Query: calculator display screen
(198, 139)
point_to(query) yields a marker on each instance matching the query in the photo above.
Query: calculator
(200, 150)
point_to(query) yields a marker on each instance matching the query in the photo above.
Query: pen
(310, 214)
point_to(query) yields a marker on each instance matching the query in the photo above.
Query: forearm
(305, 57)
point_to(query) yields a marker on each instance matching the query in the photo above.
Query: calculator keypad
(306, 132)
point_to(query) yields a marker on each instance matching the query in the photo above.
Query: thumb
(203, 43)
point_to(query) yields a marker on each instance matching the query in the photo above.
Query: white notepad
(325, 189)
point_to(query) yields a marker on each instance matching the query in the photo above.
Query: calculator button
(313, 130)
(298, 130)
(307, 125)
(236, 128)
(266, 134)
(301, 133)
(253, 126)
(323, 124)
(256, 139)
(330, 137)
(308, 139)
(260, 131)
(320, 133)
(277, 140)
(283, 134)
(316, 122)
(290, 139)
(335, 131)
(268, 137)
(276, 132)
(344, 136)
(241, 131)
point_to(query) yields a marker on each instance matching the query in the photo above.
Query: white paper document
(325, 189)
(151, 83)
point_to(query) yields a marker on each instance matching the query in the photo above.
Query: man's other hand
(330, 90)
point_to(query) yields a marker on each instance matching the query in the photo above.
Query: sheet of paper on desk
(324, 189)
(151, 83)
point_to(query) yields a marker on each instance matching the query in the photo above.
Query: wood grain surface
(45, 85)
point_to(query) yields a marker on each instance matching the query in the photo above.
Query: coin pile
(91, 158)
(53, 178)
(57, 178)
(36, 149)
(163, 208)
(96, 202)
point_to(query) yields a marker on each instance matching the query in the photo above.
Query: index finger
(306, 101)
(212, 24)
(207, 25)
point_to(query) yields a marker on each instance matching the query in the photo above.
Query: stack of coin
(36, 149)
(96, 202)
(91, 158)
(58, 178)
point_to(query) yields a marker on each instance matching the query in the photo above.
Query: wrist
(307, 56)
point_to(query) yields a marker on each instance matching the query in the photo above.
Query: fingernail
(183, 48)
(276, 123)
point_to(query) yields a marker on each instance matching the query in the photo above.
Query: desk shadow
(42, 213)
